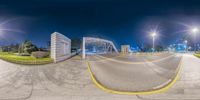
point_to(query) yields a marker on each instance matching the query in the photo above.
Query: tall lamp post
(186, 48)
(153, 38)
(195, 30)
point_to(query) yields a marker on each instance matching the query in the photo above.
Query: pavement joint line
(153, 91)
(143, 54)
(122, 55)
(125, 62)
(106, 59)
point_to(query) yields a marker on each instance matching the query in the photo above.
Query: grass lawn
(27, 60)
(197, 55)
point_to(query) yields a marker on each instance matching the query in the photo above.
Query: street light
(195, 30)
(186, 48)
(153, 38)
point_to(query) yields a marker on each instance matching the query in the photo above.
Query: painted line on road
(153, 91)
(162, 85)
(125, 62)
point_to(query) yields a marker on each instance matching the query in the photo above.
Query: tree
(21, 48)
(14, 48)
(27, 47)
(146, 47)
(10, 48)
(159, 48)
(76, 44)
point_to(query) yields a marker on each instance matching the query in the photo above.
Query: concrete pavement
(128, 77)
(23, 82)
(187, 87)
(70, 80)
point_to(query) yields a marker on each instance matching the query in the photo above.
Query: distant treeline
(25, 47)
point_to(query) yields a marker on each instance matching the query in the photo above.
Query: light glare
(195, 30)
(153, 34)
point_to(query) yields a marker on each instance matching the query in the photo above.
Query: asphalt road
(129, 75)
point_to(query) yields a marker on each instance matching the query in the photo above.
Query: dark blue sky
(124, 22)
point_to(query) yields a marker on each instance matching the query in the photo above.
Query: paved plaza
(70, 80)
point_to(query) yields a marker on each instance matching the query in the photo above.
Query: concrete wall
(60, 47)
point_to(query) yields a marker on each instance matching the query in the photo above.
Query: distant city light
(186, 41)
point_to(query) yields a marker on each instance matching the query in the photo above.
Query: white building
(125, 48)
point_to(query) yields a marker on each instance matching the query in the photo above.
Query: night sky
(123, 22)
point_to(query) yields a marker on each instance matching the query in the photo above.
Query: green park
(25, 53)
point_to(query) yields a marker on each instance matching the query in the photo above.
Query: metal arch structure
(93, 45)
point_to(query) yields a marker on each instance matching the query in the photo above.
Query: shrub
(23, 54)
(40, 54)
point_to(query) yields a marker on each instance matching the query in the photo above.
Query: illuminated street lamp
(153, 38)
(195, 30)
